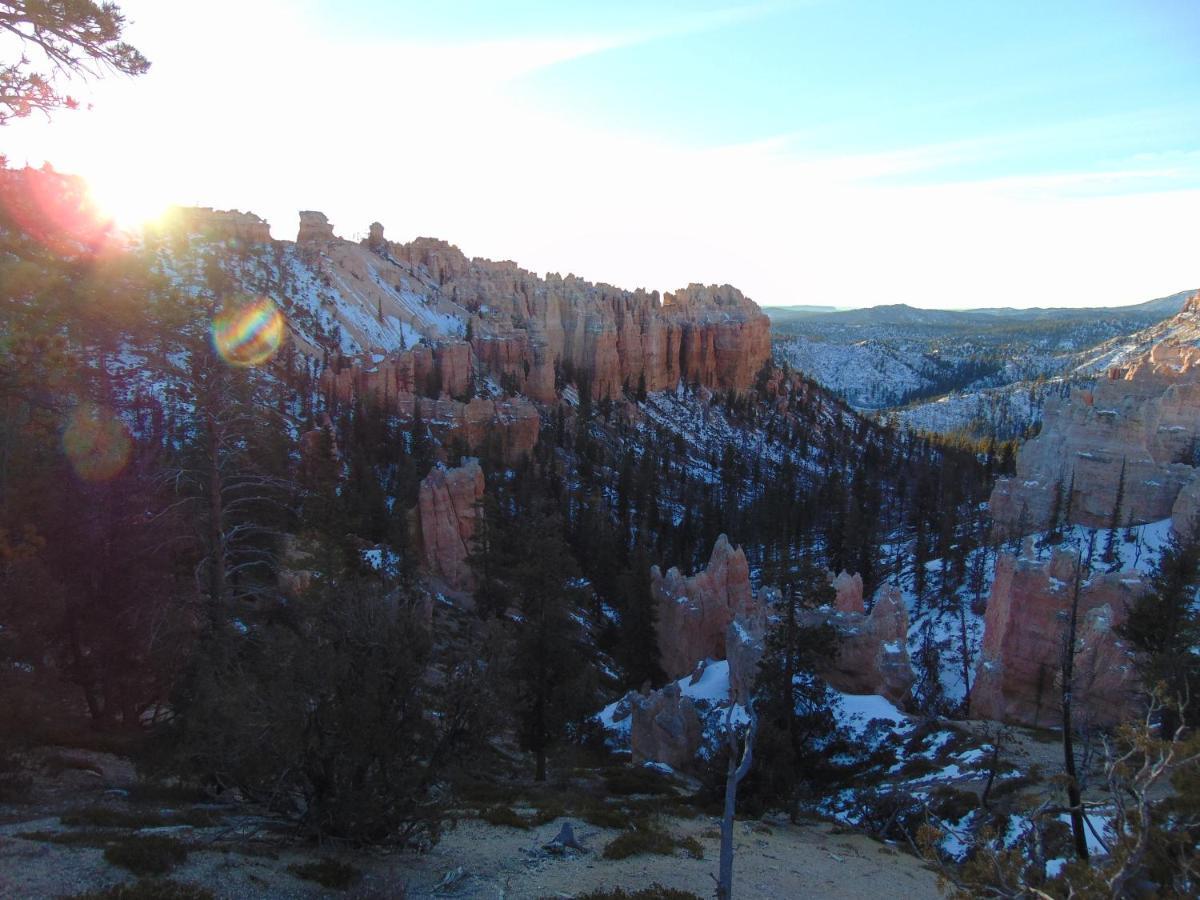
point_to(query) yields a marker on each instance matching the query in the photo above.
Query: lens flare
(96, 442)
(59, 212)
(248, 335)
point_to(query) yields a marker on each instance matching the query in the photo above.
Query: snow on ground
(856, 712)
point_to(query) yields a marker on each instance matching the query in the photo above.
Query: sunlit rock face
(447, 518)
(538, 331)
(1018, 678)
(695, 611)
(221, 224)
(1143, 417)
(314, 228)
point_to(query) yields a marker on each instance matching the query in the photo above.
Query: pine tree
(80, 38)
(795, 707)
(1164, 628)
(1114, 520)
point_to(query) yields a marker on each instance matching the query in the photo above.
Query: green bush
(149, 855)
(327, 872)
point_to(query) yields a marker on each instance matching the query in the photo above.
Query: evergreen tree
(795, 707)
(60, 40)
(1114, 520)
(1164, 628)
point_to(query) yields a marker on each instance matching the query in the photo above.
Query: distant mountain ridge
(906, 314)
(893, 355)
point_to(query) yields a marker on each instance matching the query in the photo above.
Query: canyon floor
(240, 858)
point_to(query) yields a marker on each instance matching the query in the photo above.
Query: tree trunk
(540, 755)
(1068, 672)
(736, 773)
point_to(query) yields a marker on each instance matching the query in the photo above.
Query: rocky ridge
(1138, 430)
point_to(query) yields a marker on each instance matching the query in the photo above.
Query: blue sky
(847, 152)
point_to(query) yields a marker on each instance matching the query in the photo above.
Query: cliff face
(1018, 678)
(447, 515)
(873, 647)
(400, 322)
(531, 329)
(695, 611)
(1143, 417)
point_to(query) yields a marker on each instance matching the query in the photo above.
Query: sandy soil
(479, 860)
(240, 860)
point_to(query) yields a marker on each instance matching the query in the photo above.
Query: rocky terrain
(988, 366)
(1133, 435)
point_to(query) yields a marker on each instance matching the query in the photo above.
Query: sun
(129, 200)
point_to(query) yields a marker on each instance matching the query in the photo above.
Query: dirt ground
(238, 860)
(478, 860)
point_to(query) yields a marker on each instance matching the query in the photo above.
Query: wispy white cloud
(430, 139)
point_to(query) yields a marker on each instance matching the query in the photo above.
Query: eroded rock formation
(1018, 678)
(745, 643)
(447, 516)
(314, 227)
(695, 611)
(849, 590)
(873, 647)
(1143, 417)
(221, 224)
(538, 331)
(666, 727)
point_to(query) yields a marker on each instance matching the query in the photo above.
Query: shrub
(327, 872)
(341, 684)
(651, 839)
(952, 804)
(918, 766)
(625, 782)
(604, 816)
(643, 840)
(149, 889)
(96, 839)
(149, 855)
(655, 892)
(691, 847)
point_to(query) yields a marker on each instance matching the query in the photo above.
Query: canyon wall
(1018, 677)
(1142, 418)
(447, 514)
(539, 331)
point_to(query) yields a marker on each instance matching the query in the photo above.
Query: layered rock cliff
(397, 322)
(1018, 677)
(1142, 419)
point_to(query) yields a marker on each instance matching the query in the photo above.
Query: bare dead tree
(1068, 674)
(735, 773)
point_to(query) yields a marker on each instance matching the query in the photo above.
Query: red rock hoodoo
(695, 612)
(1018, 678)
(447, 514)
